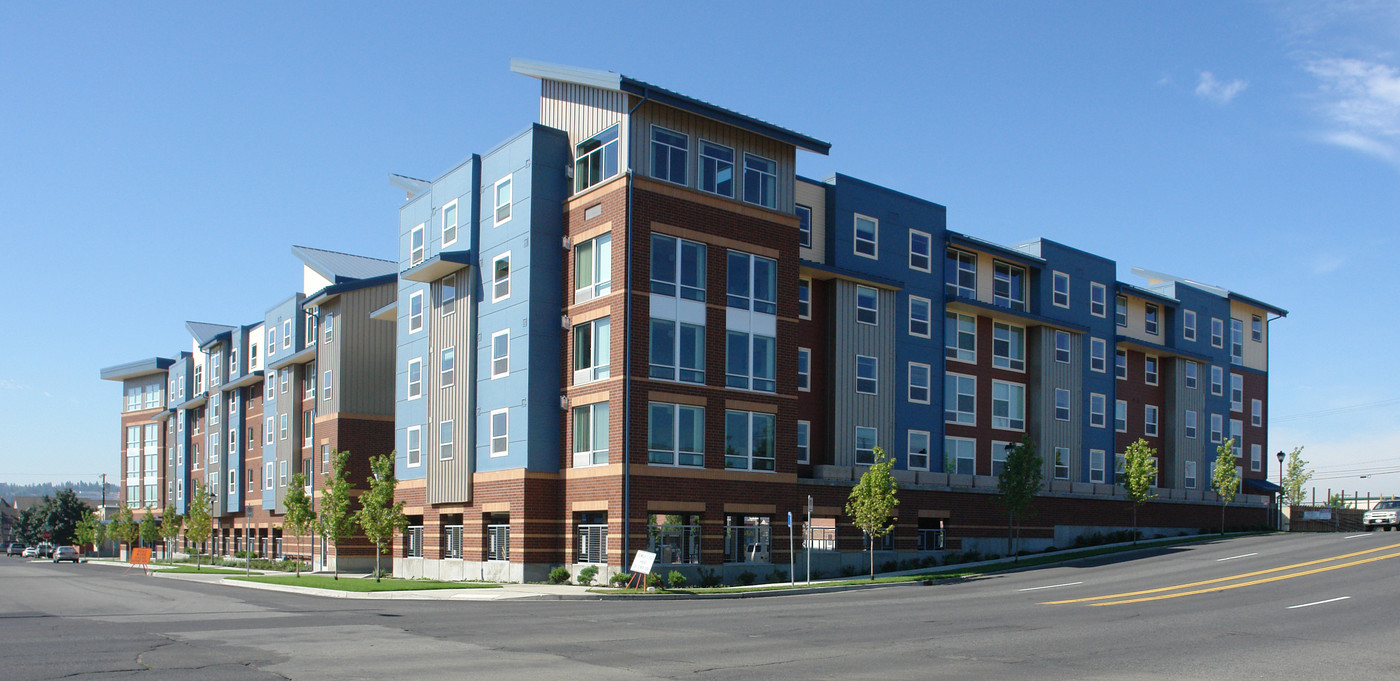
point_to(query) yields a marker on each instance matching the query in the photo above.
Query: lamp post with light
(1280, 456)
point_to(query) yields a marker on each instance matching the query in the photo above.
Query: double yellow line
(1219, 584)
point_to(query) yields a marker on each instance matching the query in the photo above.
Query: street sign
(47, 535)
(789, 518)
(642, 563)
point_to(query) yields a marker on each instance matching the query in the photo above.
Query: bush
(776, 576)
(929, 561)
(971, 557)
(586, 575)
(818, 574)
(710, 578)
(654, 579)
(1051, 549)
(909, 564)
(888, 566)
(675, 580)
(620, 579)
(746, 578)
(559, 575)
(848, 570)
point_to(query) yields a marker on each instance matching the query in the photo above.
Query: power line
(1337, 410)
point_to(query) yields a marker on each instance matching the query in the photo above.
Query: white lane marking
(1051, 586)
(1330, 600)
(1354, 536)
(1243, 555)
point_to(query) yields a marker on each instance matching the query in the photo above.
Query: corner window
(593, 268)
(449, 223)
(595, 159)
(752, 283)
(867, 305)
(677, 267)
(416, 248)
(500, 432)
(920, 251)
(1009, 286)
(960, 274)
(716, 169)
(960, 337)
(804, 225)
(500, 277)
(919, 376)
(500, 354)
(749, 441)
(1098, 301)
(867, 439)
(1060, 294)
(591, 435)
(591, 351)
(760, 181)
(669, 150)
(675, 435)
(867, 375)
(867, 236)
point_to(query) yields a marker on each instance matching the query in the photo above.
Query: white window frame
(415, 319)
(1151, 419)
(872, 381)
(327, 328)
(597, 369)
(804, 236)
(497, 205)
(874, 438)
(587, 456)
(414, 388)
(927, 322)
(1217, 380)
(1098, 410)
(909, 449)
(1098, 355)
(1009, 422)
(767, 181)
(1098, 460)
(670, 150)
(1217, 332)
(1236, 392)
(952, 325)
(704, 158)
(864, 310)
(501, 439)
(1256, 413)
(1012, 362)
(456, 220)
(1256, 328)
(281, 426)
(914, 369)
(1151, 369)
(1060, 463)
(927, 256)
(267, 475)
(804, 369)
(268, 429)
(857, 241)
(1189, 475)
(500, 364)
(413, 447)
(959, 381)
(804, 441)
(1152, 319)
(1098, 308)
(1217, 428)
(446, 440)
(804, 298)
(1192, 374)
(497, 281)
(417, 246)
(1014, 299)
(672, 425)
(599, 285)
(448, 295)
(1059, 298)
(953, 453)
(1120, 416)
(1256, 458)
(1188, 324)
(1064, 408)
(447, 367)
(326, 385)
(1191, 424)
(1063, 355)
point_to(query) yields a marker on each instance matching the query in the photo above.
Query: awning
(1259, 486)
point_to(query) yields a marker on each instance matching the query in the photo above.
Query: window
(919, 377)
(328, 326)
(1256, 458)
(1008, 405)
(760, 181)
(415, 312)
(1098, 300)
(445, 441)
(500, 354)
(215, 372)
(593, 268)
(675, 435)
(1120, 364)
(267, 476)
(960, 337)
(920, 251)
(1190, 422)
(959, 399)
(498, 537)
(867, 374)
(1190, 481)
(1060, 294)
(1062, 352)
(281, 473)
(1120, 416)
(591, 351)
(325, 385)
(1008, 346)
(1217, 427)
(1062, 463)
(414, 457)
(1236, 341)
(1149, 420)
(267, 431)
(281, 426)
(270, 386)
(920, 317)
(1120, 310)
(1098, 355)
(1256, 328)
(449, 223)
(592, 533)
(677, 351)
(308, 382)
(748, 441)
(804, 436)
(308, 425)
(415, 378)
(500, 432)
(668, 154)
(1098, 410)
(752, 283)
(960, 274)
(804, 369)
(959, 456)
(595, 159)
(500, 277)
(804, 225)
(750, 362)
(674, 538)
(1188, 324)
(286, 333)
(867, 305)
(1256, 413)
(716, 169)
(1192, 372)
(1009, 286)
(677, 267)
(1217, 333)
(1149, 320)
(1061, 404)
(999, 456)
(325, 461)
(1096, 465)
(447, 367)
(1236, 437)
(1149, 369)
(1217, 380)
(866, 440)
(153, 396)
(867, 236)
(591, 435)
(804, 298)
(214, 410)
(747, 539)
(918, 450)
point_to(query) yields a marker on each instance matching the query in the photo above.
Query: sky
(158, 161)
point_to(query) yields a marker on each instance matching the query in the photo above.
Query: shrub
(654, 579)
(776, 576)
(586, 575)
(818, 574)
(971, 557)
(929, 561)
(889, 566)
(559, 575)
(746, 578)
(675, 580)
(909, 564)
(1051, 549)
(620, 578)
(710, 578)
(848, 570)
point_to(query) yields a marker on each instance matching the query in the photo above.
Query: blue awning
(1259, 486)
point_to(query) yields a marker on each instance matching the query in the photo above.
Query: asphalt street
(1265, 607)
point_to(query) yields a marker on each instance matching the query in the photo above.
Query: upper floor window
(1009, 286)
(960, 274)
(920, 251)
(1236, 341)
(749, 440)
(1149, 369)
(1217, 333)
(447, 367)
(233, 362)
(500, 354)
(308, 336)
(669, 151)
(677, 267)
(960, 337)
(1149, 319)
(1188, 324)
(750, 361)
(866, 441)
(503, 199)
(677, 351)
(591, 435)
(1120, 310)
(449, 298)
(415, 246)
(591, 351)
(449, 223)
(1192, 374)
(1061, 404)
(214, 367)
(867, 305)
(595, 159)
(1256, 329)
(500, 277)
(593, 268)
(1060, 296)
(920, 317)
(415, 378)
(753, 282)
(867, 374)
(1062, 347)
(1008, 346)
(1098, 355)
(959, 398)
(804, 298)
(1008, 405)
(867, 236)
(1098, 299)
(415, 312)
(675, 435)
(286, 333)
(760, 181)
(804, 369)
(804, 225)
(716, 169)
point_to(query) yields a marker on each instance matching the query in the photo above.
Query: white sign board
(1317, 515)
(642, 563)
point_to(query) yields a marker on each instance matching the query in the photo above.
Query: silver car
(1385, 514)
(62, 553)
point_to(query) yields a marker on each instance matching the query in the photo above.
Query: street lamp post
(1280, 456)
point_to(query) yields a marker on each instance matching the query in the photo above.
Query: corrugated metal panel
(450, 481)
(582, 111)
(1044, 376)
(851, 339)
(1178, 449)
(363, 354)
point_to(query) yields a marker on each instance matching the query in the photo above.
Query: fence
(1324, 519)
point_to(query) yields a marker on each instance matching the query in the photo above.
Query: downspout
(627, 355)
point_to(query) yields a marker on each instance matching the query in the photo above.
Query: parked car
(1385, 514)
(14, 549)
(63, 553)
(30, 552)
(45, 550)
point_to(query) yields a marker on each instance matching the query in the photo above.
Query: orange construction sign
(142, 557)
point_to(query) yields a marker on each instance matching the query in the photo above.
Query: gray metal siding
(361, 354)
(583, 111)
(450, 481)
(851, 408)
(1177, 448)
(1044, 375)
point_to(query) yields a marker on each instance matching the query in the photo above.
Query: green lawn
(206, 570)
(361, 584)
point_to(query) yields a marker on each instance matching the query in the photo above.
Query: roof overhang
(438, 266)
(996, 250)
(193, 403)
(300, 357)
(1130, 343)
(329, 293)
(1260, 485)
(977, 307)
(162, 415)
(137, 369)
(816, 270)
(250, 378)
(388, 313)
(1147, 293)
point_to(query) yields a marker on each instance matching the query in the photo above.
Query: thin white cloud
(1207, 87)
(1360, 100)
(10, 384)
(1327, 263)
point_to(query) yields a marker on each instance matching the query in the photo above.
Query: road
(1294, 606)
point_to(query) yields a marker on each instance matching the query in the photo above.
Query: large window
(747, 539)
(867, 236)
(1009, 286)
(918, 450)
(960, 337)
(716, 169)
(1008, 346)
(677, 351)
(591, 435)
(867, 305)
(919, 377)
(595, 159)
(1008, 405)
(960, 456)
(867, 374)
(750, 362)
(748, 441)
(920, 251)
(669, 151)
(593, 268)
(500, 432)
(591, 351)
(959, 398)
(1060, 294)
(676, 435)
(760, 181)
(752, 283)
(674, 538)
(677, 267)
(960, 274)
(866, 440)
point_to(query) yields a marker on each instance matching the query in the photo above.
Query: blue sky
(157, 161)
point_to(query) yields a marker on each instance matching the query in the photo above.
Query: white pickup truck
(1385, 514)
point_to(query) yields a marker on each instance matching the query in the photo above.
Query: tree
(872, 501)
(300, 517)
(1295, 476)
(89, 530)
(379, 515)
(198, 521)
(123, 528)
(28, 526)
(1139, 476)
(1224, 479)
(60, 515)
(149, 529)
(1018, 483)
(335, 523)
(170, 523)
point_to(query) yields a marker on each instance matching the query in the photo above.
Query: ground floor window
(413, 537)
(452, 536)
(930, 534)
(591, 533)
(498, 537)
(747, 539)
(821, 536)
(674, 538)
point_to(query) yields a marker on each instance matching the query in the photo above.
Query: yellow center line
(1251, 583)
(1220, 579)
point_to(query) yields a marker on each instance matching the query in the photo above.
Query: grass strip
(363, 585)
(206, 570)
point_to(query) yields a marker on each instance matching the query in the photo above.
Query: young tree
(60, 515)
(149, 529)
(170, 523)
(872, 501)
(1139, 476)
(1295, 476)
(379, 516)
(198, 521)
(335, 523)
(89, 530)
(1224, 479)
(300, 517)
(1018, 483)
(123, 528)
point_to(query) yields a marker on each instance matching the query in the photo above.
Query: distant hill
(85, 490)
